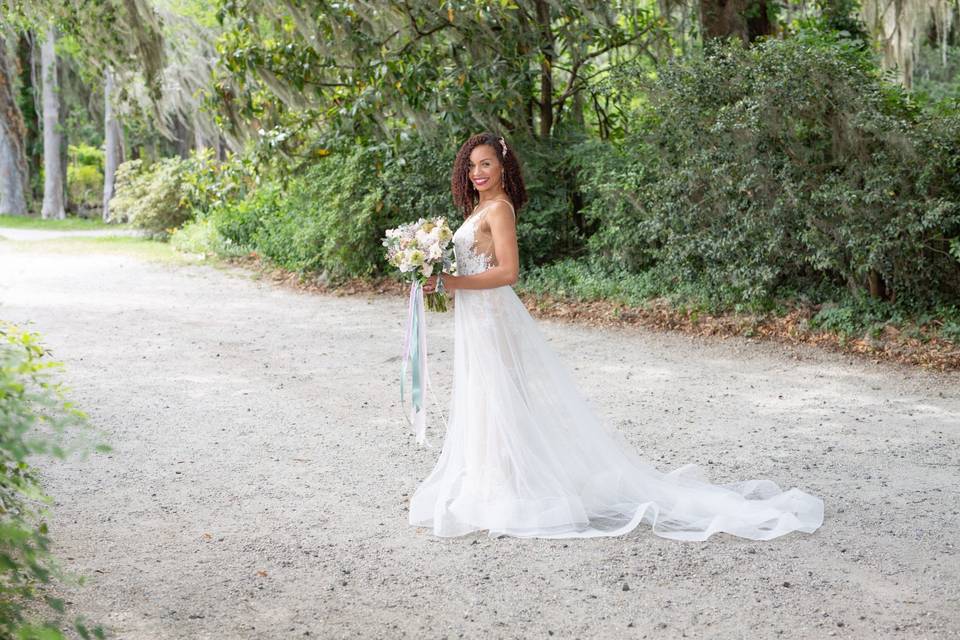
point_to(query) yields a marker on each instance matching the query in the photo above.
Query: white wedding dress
(524, 455)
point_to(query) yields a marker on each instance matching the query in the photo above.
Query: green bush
(85, 185)
(83, 155)
(552, 226)
(151, 196)
(583, 279)
(202, 236)
(36, 420)
(239, 221)
(331, 219)
(85, 177)
(288, 227)
(331, 215)
(209, 183)
(936, 78)
(415, 181)
(164, 195)
(783, 166)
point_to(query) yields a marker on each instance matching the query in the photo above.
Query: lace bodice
(473, 254)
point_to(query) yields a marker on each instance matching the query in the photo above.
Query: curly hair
(465, 195)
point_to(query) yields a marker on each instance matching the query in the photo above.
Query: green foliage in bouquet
(35, 420)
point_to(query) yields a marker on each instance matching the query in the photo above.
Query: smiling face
(485, 169)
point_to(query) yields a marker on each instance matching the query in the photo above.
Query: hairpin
(503, 145)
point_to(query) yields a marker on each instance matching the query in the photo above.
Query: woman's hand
(449, 283)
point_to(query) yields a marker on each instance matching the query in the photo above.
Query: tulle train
(524, 454)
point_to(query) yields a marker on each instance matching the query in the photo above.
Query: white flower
(424, 239)
(422, 245)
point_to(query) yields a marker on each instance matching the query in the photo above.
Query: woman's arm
(507, 270)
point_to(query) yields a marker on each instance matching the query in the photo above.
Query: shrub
(331, 217)
(202, 236)
(553, 226)
(584, 279)
(85, 185)
(36, 418)
(238, 221)
(292, 223)
(786, 164)
(415, 182)
(164, 195)
(209, 183)
(83, 155)
(151, 197)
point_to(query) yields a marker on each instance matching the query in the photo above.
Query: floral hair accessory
(503, 145)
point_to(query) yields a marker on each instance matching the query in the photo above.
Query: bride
(524, 455)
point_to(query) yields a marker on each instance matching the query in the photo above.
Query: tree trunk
(744, 19)
(182, 136)
(113, 143)
(29, 101)
(875, 284)
(13, 160)
(63, 115)
(52, 167)
(546, 68)
(200, 140)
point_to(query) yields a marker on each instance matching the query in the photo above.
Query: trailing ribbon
(415, 354)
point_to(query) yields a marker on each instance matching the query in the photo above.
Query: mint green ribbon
(414, 355)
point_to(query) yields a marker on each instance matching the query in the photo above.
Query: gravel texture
(261, 468)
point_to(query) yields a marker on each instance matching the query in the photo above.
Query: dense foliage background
(739, 155)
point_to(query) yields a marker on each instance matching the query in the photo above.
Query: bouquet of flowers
(420, 249)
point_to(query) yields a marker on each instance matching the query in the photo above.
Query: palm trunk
(113, 144)
(13, 160)
(52, 167)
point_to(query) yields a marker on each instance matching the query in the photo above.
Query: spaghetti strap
(481, 208)
(511, 206)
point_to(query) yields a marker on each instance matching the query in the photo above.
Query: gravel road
(261, 467)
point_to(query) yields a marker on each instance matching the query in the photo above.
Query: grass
(69, 224)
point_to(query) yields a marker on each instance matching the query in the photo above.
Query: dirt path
(43, 234)
(261, 467)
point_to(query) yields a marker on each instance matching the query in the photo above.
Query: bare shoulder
(500, 212)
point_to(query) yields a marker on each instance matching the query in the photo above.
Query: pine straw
(892, 345)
